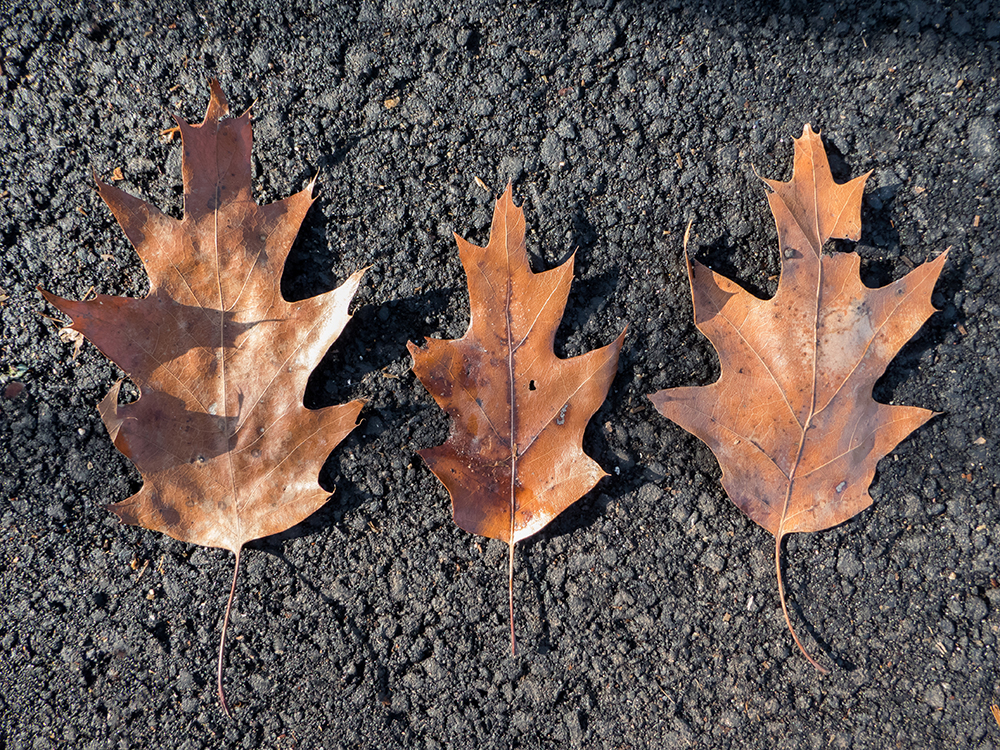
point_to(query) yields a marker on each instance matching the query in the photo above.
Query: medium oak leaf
(791, 419)
(514, 458)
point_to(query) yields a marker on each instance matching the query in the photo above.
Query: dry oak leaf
(227, 450)
(514, 459)
(791, 419)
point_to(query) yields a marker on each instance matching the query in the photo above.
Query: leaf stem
(222, 641)
(510, 591)
(784, 606)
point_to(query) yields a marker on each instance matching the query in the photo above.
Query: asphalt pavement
(647, 613)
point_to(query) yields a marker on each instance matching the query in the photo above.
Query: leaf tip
(125, 516)
(218, 106)
(615, 347)
(312, 184)
(507, 199)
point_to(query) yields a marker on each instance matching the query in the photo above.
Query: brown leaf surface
(514, 459)
(227, 450)
(791, 419)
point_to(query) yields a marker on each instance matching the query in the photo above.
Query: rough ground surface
(647, 613)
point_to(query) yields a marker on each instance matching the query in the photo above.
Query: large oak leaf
(514, 459)
(791, 419)
(227, 450)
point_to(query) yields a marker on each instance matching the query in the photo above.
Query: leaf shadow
(823, 646)
(797, 579)
(366, 362)
(902, 368)
(535, 568)
(274, 546)
(584, 513)
(734, 261)
(368, 346)
(840, 167)
(308, 270)
(308, 267)
(588, 293)
(878, 230)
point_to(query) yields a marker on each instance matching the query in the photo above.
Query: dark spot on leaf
(169, 515)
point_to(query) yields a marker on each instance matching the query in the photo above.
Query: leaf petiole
(510, 591)
(784, 606)
(222, 641)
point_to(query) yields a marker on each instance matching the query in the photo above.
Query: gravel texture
(647, 613)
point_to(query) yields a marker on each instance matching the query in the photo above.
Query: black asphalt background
(647, 613)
